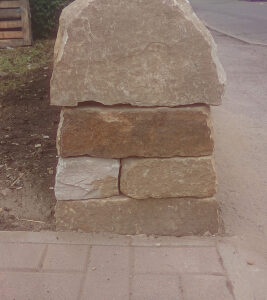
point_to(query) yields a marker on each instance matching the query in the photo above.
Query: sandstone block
(169, 177)
(123, 215)
(137, 132)
(143, 53)
(86, 177)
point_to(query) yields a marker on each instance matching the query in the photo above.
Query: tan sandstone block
(124, 215)
(86, 177)
(143, 53)
(169, 177)
(135, 132)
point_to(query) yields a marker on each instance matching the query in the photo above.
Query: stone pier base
(135, 80)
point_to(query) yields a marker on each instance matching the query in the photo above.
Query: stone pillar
(135, 79)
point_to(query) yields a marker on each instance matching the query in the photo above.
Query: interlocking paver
(173, 260)
(245, 268)
(206, 287)
(39, 286)
(64, 238)
(187, 269)
(143, 240)
(108, 274)
(20, 255)
(66, 257)
(153, 286)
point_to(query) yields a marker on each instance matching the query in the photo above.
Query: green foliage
(45, 15)
(16, 64)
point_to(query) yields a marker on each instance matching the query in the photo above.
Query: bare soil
(28, 159)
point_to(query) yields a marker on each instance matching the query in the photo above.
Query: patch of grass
(16, 63)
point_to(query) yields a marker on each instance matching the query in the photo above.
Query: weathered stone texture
(85, 177)
(123, 215)
(169, 177)
(143, 53)
(135, 132)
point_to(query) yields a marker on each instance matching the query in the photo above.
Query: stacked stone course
(135, 79)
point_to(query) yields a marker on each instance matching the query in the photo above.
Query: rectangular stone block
(86, 177)
(135, 132)
(169, 177)
(123, 215)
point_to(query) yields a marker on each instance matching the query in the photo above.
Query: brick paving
(56, 266)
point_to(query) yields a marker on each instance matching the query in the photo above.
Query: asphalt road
(243, 19)
(241, 121)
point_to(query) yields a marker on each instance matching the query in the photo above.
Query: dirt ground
(28, 159)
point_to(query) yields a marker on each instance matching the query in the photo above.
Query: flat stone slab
(86, 177)
(167, 178)
(123, 215)
(135, 132)
(143, 53)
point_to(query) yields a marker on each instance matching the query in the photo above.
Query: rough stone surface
(86, 177)
(169, 177)
(135, 132)
(143, 53)
(124, 215)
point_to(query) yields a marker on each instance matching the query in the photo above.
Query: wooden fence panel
(15, 25)
(9, 4)
(10, 24)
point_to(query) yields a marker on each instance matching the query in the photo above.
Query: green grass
(16, 63)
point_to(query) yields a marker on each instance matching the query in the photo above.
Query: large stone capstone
(138, 52)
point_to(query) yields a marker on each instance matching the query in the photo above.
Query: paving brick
(151, 287)
(173, 260)
(246, 268)
(20, 255)
(39, 286)
(143, 240)
(63, 238)
(108, 274)
(66, 257)
(206, 287)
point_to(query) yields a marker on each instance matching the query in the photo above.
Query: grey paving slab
(66, 257)
(108, 274)
(38, 286)
(247, 270)
(20, 256)
(153, 286)
(206, 287)
(171, 241)
(77, 238)
(177, 260)
(186, 269)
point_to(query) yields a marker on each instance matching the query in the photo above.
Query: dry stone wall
(146, 166)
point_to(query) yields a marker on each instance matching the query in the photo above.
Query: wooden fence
(15, 25)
